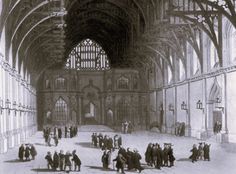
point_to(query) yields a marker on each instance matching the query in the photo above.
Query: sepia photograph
(117, 86)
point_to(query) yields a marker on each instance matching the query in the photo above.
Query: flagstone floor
(223, 158)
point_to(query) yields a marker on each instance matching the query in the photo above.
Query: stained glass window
(88, 55)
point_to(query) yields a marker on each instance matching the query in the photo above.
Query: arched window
(60, 83)
(87, 55)
(123, 110)
(213, 56)
(60, 110)
(123, 83)
(169, 74)
(181, 70)
(233, 45)
(195, 63)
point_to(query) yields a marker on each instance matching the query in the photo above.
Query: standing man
(59, 133)
(77, 161)
(21, 152)
(56, 160)
(48, 157)
(62, 160)
(33, 151)
(194, 155)
(120, 163)
(137, 157)
(66, 131)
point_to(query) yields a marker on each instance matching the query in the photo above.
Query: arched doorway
(110, 118)
(214, 114)
(90, 113)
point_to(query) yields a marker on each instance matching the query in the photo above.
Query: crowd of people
(56, 134)
(125, 159)
(128, 159)
(27, 152)
(157, 157)
(63, 162)
(49, 135)
(202, 152)
(106, 141)
(127, 127)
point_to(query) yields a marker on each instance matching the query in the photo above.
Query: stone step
(94, 128)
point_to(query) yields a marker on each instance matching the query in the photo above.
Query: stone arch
(216, 91)
(91, 96)
(213, 114)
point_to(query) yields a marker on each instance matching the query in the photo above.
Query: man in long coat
(21, 152)
(206, 149)
(120, 163)
(77, 161)
(56, 160)
(194, 155)
(136, 160)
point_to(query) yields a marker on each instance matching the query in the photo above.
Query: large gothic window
(61, 110)
(88, 55)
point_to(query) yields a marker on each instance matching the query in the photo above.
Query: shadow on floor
(100, 168)
(183, 159)
(86, 144)
(40, 144)
(43, 170)
(15, 161)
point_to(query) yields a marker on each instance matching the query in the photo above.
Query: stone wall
(115, 94)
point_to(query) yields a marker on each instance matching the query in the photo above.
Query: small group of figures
(62, 161)
(48, 135)
(180, 129)
(106, 142)
(202, 152)
(125, 158)
(25, 151)
(71, 131)
(217, 127)
(127, 127)
(157, 157)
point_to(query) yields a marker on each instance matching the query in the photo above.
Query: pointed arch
(60, 110)
(215, 92)
(88, 55)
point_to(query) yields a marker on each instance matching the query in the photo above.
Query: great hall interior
(155, 63)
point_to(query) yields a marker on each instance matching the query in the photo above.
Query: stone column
(114, 109)
(165, 107)
(82, 110)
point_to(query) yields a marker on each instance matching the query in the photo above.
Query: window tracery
(61, 110)
(88, 55)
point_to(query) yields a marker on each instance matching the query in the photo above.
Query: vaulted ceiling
(41, 33)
